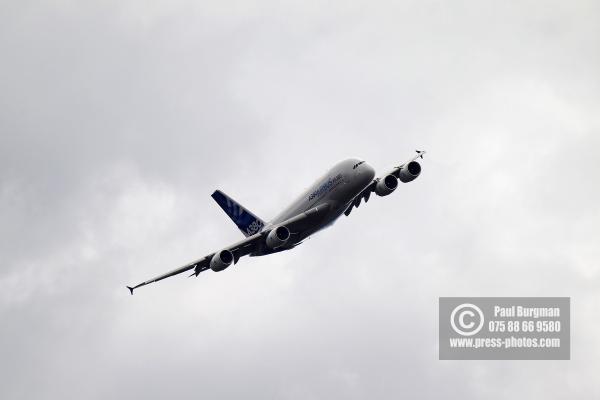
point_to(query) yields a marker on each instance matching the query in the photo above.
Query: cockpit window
(357, 164)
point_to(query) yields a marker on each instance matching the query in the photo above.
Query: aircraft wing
(366, 193)
(398, 168)
(245, 246)
(238, 250)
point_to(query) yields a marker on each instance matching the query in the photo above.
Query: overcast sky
(119, 118)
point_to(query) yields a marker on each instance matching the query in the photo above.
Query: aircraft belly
(338, 197)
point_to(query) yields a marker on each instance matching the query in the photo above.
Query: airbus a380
(341, 189)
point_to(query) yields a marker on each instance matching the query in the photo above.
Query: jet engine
(410, 172)
(278, 237)
(386, 185)
(221, 260)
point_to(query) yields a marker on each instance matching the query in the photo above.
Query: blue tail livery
(245, 220)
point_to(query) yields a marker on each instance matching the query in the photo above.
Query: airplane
(337, 192)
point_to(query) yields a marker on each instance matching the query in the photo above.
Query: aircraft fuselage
(335, 190)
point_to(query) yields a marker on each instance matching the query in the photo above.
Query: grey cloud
(118, 119)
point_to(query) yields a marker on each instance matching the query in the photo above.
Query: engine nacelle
(410, 172)
(278, 237)
(221, 260)
(386, 185)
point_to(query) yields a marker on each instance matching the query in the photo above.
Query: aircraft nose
(368, 171)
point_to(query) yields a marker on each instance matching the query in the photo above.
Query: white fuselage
(334, 190)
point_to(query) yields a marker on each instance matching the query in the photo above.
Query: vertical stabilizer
(245, 220)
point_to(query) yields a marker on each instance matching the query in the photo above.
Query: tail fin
(245, 220)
